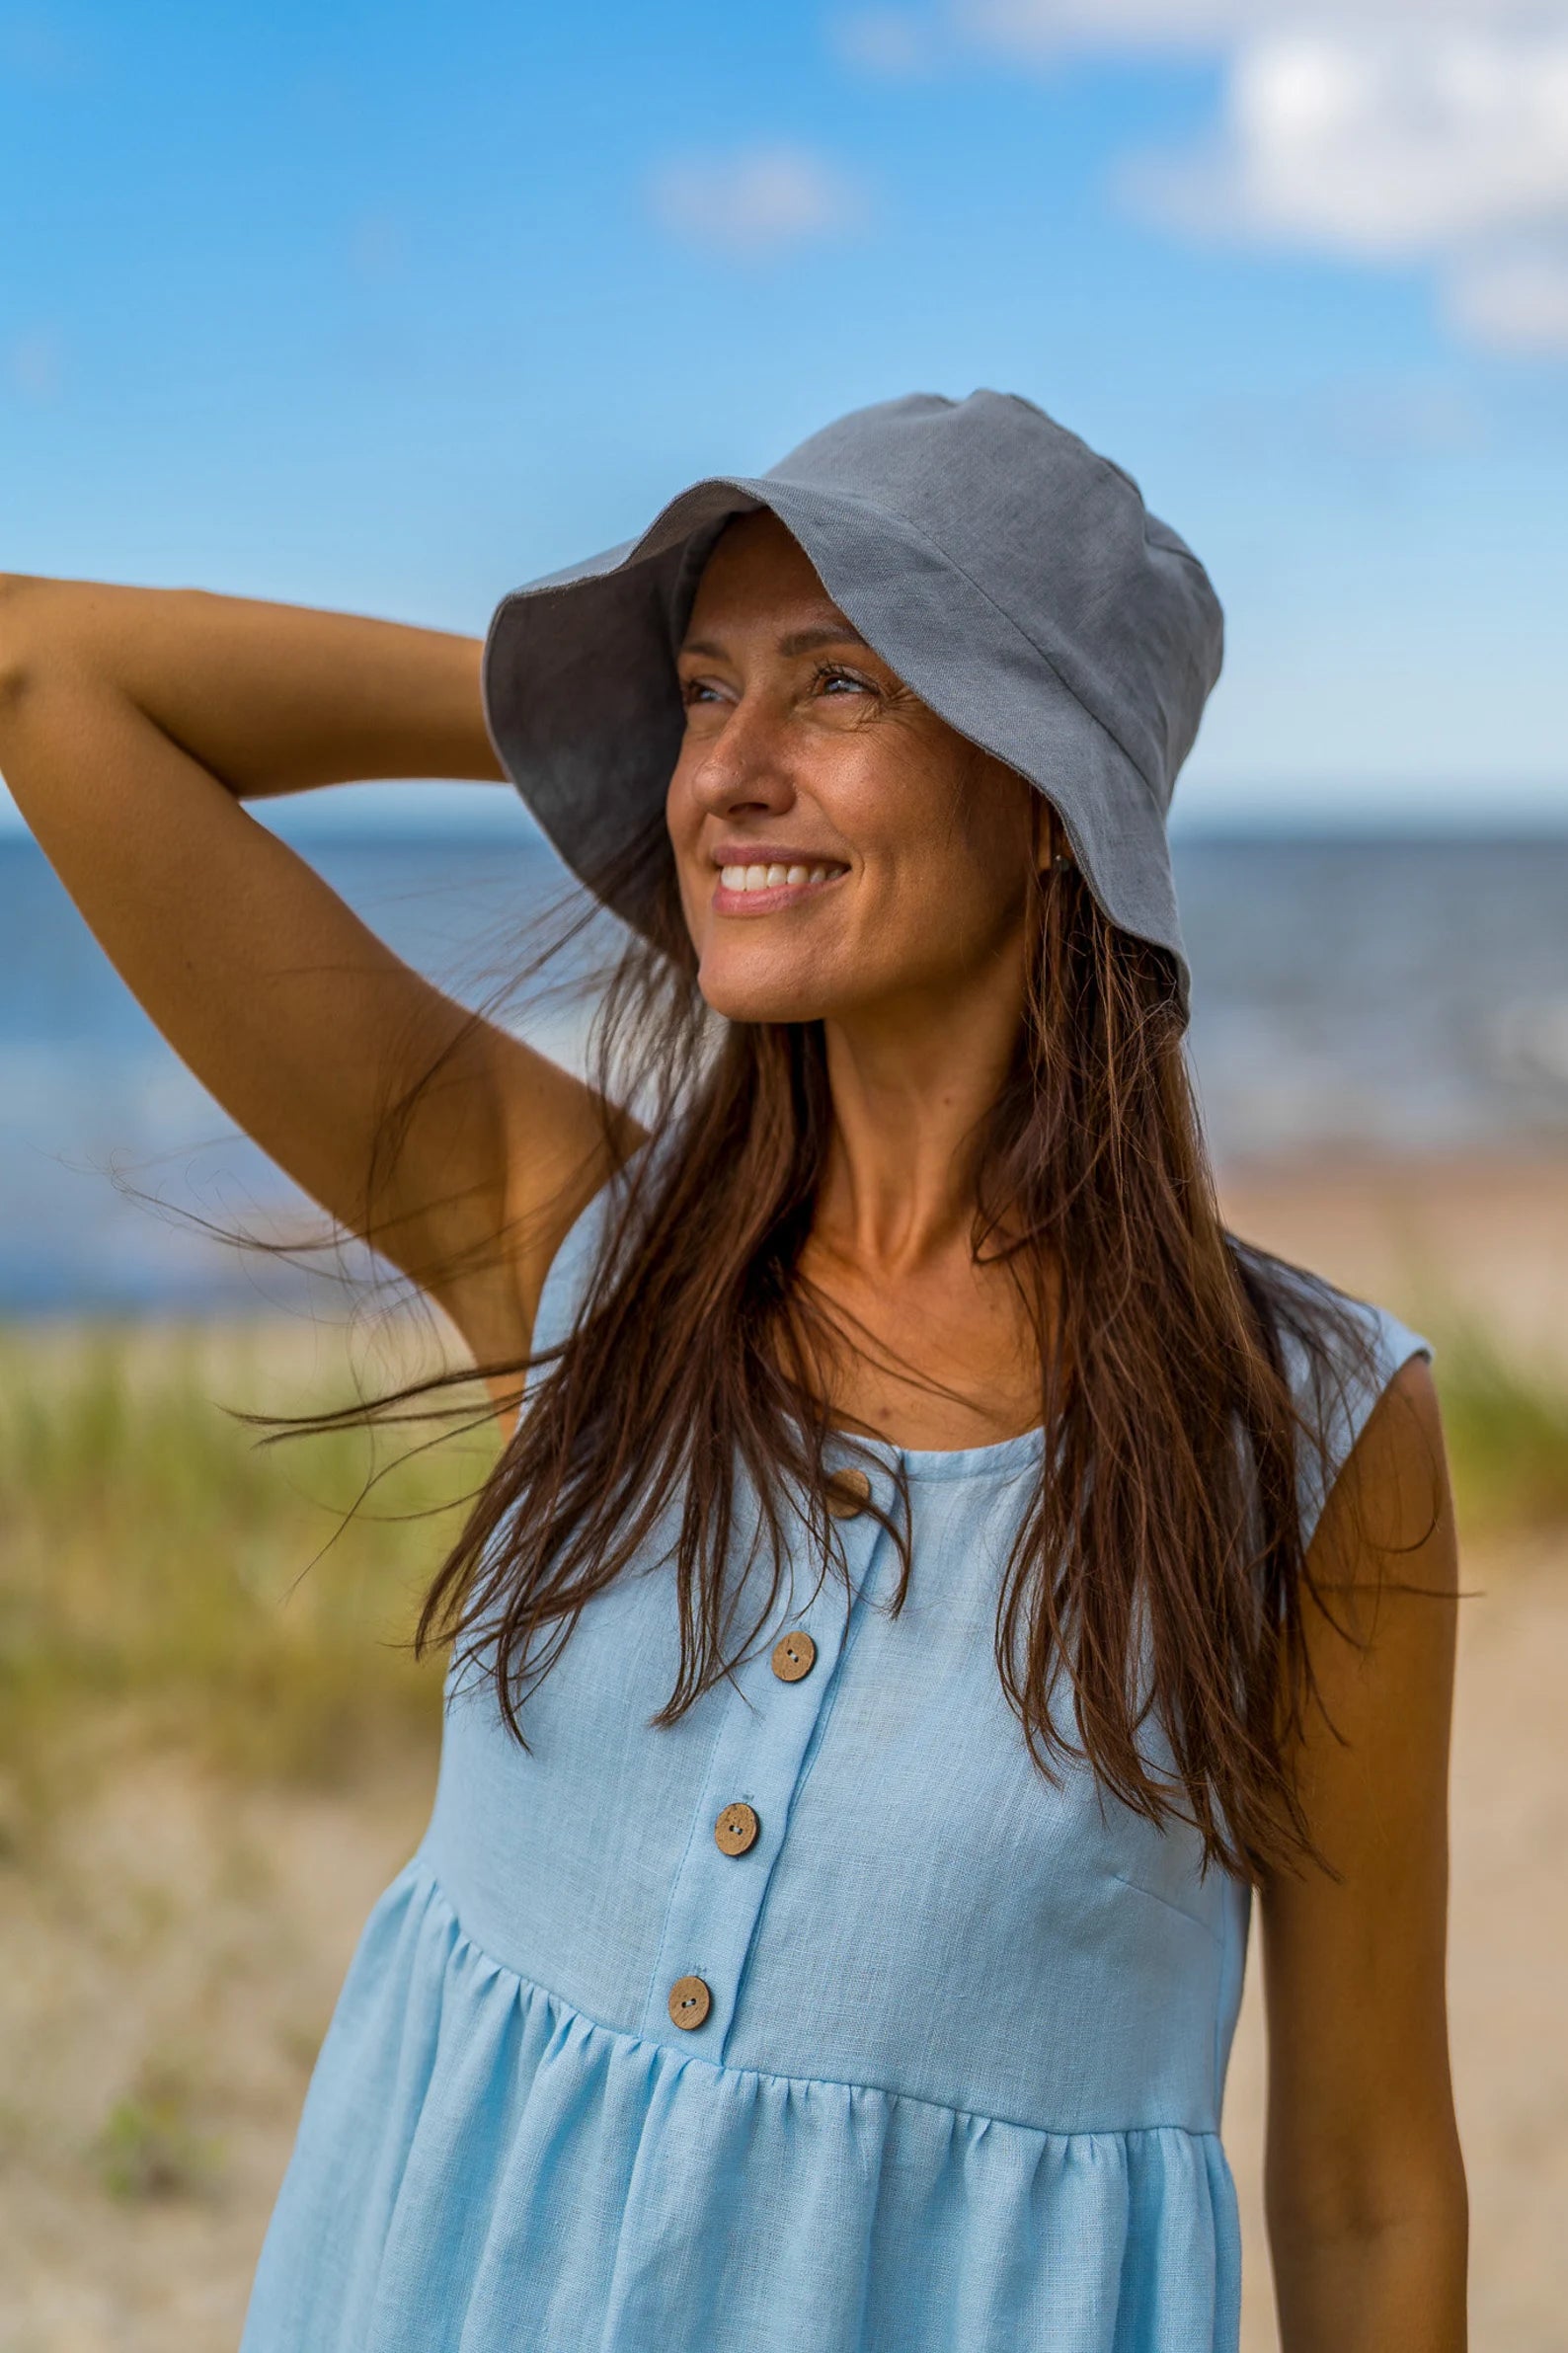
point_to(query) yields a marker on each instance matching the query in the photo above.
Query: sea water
(1349, 994)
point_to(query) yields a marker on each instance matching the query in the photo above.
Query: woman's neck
(935, 1348)
(912, 1092)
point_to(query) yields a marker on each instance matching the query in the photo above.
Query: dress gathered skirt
(820, 2021)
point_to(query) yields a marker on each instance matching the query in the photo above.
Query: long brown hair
(1159, 1565)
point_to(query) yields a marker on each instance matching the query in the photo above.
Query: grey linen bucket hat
(1011, 577)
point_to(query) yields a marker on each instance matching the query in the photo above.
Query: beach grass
(150, 2145)
(167, 1579)
(1505, 1424)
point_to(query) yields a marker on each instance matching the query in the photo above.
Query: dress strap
(1338, 1402)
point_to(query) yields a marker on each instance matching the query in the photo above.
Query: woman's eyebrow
(800, 641)
(833, 633)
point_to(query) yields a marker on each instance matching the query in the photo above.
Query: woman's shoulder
(1340, 1354)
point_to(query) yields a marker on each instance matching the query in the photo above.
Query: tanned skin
(133, 727)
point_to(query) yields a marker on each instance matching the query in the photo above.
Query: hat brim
(583, 708)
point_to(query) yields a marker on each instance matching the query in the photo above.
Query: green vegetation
(1507, 1427)
(150, 2147)
(166, 1579)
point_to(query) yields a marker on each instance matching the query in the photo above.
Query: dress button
(689, 2001)
(848, 1493)
(794, 1655)
(735, 1829)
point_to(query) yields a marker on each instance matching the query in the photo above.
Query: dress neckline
(1006, 1458)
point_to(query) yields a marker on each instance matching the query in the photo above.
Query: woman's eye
(698, 693)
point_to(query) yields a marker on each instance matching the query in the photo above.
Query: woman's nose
(745, 766)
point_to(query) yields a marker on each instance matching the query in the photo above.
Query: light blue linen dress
(958, 2088)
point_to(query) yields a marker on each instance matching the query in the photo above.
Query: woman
(939, 1573)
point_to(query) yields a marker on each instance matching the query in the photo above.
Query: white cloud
(759, 202)
(1044, 26)
(1425, 130)
(1379, 143)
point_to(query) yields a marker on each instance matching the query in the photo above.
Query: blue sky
(391, 307)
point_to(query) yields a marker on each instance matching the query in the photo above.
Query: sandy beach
(1479, 1240)
(1473, 1238)
(177, 1931)
(1509, 1920)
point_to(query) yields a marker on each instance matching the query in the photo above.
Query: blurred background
(392, 308)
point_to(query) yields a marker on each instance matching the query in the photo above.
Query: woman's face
(841, 849)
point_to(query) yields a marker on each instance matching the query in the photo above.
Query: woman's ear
(1051, 849)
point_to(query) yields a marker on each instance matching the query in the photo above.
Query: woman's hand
(1365, 2184)
(132, 723)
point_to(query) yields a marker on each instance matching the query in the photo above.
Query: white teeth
(771, 877)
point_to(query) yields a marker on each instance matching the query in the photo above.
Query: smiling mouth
(743, 881)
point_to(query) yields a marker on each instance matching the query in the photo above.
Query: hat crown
(1057, 537)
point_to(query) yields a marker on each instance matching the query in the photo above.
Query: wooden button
(735, 1829)
(689, 2001)
(848, 1493)
(794, 1655)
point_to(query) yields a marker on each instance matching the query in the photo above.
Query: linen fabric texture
(1012, 578)
(960, 2084)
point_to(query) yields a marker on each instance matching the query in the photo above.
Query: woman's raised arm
(133, 723)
